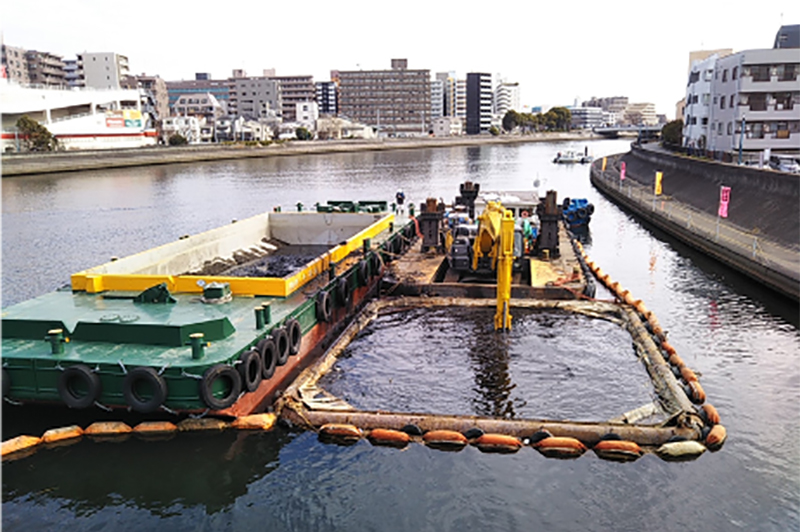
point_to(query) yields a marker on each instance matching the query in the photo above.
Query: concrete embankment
(760, 241)
(41, 163)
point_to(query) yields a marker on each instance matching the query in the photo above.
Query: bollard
(197, 345)
(411, 210)
(56, 339)
(391, 227)
(331, 271)
(299, 207)
(266, 312)
(259, 317)
(366, 244)
(394, 207)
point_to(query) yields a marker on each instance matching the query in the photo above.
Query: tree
(494, 131)
(672, 133)
(303, 134)
(177, 140)
(511, 120)
(36, 136)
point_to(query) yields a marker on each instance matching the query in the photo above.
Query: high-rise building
(479, 103)
(103, 70)
(448, 80)
(259, 98)
(220, 88)
(461, 99)
(506, 98)
(697, 108)
(45, 68)
(396, 101)
(326, 98)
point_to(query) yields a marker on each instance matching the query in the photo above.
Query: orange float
(61, 434)
(340, 432)
(560, 447)
(716, 437)
(711, 414)
(618, 450)
(498, 443)
(392, 438)
(445, 439)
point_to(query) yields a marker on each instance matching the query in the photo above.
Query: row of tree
(556, 119)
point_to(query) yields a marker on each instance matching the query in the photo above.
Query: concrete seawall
(42, 163)
(774, 262)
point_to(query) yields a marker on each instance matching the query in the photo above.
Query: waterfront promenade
(42, 163)
(769, 261)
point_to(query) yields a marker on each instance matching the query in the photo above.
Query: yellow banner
(659, 175)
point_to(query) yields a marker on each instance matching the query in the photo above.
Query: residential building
(259, 97)
(587, 117)
(15, 64)
(396, 101)
(461, 99)
(337, 128)
(155, 87)
(73, 74)
(307, 114)
(697, 107)
(437, 98)
(615, 105)
(293, 90)
(479, 103)
(204, 106)
(103, 70)
(46, 69)
(448, 80)
(506, 98)
(640, 114)
(327, 97)
(447, 126)
(760, 90)
(186, 126)
(702, 55)
(202, 84)
(788, 37)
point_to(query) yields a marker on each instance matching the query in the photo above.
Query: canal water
(739, 337)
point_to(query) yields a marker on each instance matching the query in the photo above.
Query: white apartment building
(697, 109)
(641, 114)
(101, 70)
(461, 99)
(307, 114)
(448, 80)
(760, 89)
(437, 98)
(447, 126)
(506, 98)
(587, 117)
(257, 97)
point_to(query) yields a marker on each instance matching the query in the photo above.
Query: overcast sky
(557, 51)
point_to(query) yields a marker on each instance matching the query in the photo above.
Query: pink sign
(724, 199)
(622, 171)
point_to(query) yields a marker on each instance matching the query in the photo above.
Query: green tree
(558, 119)
(511, 120)
(177, 140)
(672, 133)
(494, 131)
(36, 136)
(303, 134)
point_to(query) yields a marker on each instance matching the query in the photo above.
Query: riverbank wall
(760, 240)
(42, 163)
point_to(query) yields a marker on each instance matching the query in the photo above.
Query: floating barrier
(679, 451)
(340, 433)
(108, 428)
(560, 447)
(710, 414)
(618, 450)
(62, 434)
(445, 439)
(155, 428)
(716, 437)
(255, 422)
(19, 444)
(498, 443)
(391, 438)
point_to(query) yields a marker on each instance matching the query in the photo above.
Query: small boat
(572, 157)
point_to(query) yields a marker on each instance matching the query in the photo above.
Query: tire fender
(220, 372)
(77, 375)
(149, 377)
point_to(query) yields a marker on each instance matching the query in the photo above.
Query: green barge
(175, 330)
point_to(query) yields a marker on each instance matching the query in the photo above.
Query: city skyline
(607, 53)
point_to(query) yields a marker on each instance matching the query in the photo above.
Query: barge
(199, 325)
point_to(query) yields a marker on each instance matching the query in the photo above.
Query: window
(760, 72)
(705, 121)
(722, 102)
(730, 128)
(734, 72)
(783, 101)
(719, 128)
(787, 72)
(724, 75)
(758, 102)
(732, 100)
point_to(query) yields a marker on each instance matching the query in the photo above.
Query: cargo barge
(199, 325)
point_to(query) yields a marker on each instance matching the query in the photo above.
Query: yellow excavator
(493, 249)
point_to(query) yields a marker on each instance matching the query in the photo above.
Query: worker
(400, 197)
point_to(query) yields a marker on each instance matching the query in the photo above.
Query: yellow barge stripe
(92, 283)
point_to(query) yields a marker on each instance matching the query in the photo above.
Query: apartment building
(506, 98)
(326, 93)
(260, 97)
(15, 64)
(294, 90)
(448, 80)
(461, 99)
(587, 117)
(104, 70)
(437, 98)
(396, 101)
(479, 103)
(697, 107)
(156, 89)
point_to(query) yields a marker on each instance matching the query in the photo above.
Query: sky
(559, 53)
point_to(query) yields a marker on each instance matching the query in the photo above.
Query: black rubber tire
(375, 262)
(581, 213)
(74, 375)
(295, 333)
(343, 291)
(269, 357)
(133, 396)
(6, 383)
(363, 272)
(249, 367)
(281, 340)
(324, 307)
(210, 377)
